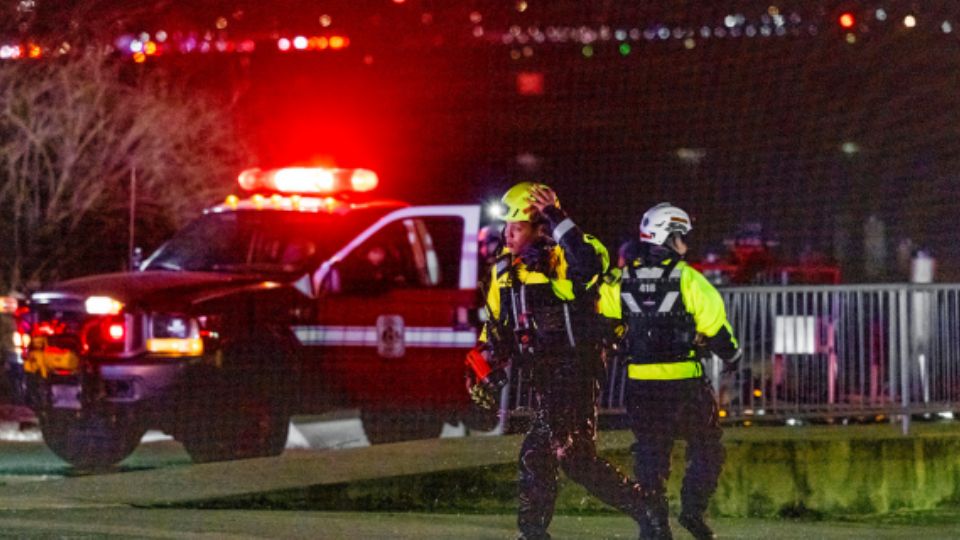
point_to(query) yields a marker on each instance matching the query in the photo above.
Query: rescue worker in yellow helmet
(543, 294)
(674, 316)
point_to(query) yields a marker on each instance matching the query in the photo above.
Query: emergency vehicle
(305, 295)
(751, 260)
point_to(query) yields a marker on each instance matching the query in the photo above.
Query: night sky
(808, 133)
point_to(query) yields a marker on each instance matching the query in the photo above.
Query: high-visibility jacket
(665, 306)
(558, 302)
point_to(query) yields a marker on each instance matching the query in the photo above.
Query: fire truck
(751, 260)
(304, 295)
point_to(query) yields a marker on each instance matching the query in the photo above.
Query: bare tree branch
(70, 133)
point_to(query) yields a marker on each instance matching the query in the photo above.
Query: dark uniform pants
(563, 435)
(661, 412)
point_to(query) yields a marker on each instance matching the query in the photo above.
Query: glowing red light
(319, 180)
(248, 179)
(363, 180)
(303, 180)
(283, 44)
(337, 42)
(399, 1)
(116, 331)
(530, 83)
(847, 20)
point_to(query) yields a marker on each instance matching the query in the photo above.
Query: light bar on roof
(308, 180)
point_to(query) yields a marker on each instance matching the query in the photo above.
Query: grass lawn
(125, 522)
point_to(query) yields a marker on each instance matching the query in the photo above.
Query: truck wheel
(252, 427)
(90, 441)
(394, 426)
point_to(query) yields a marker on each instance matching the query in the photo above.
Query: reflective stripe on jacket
(564, 288)
(704, 303)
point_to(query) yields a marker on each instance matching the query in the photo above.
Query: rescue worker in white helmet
(673, 317)
(544, 296)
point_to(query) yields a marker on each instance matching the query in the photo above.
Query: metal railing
(850, 351)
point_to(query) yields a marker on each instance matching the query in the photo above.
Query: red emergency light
(308, 180)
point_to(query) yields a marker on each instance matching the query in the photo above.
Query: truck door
(393, 318)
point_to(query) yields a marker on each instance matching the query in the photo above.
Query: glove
(486, 393)
(482, 397)
(483, 382)
(536, 257)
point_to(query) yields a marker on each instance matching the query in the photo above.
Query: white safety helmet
(661, 221)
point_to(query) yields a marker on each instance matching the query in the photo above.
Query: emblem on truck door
(390, 342)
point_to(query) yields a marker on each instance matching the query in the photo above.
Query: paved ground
(124, 505)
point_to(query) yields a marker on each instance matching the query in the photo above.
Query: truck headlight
(174, 335)
(103, 305)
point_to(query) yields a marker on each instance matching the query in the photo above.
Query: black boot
(655, 523)
(696, 525)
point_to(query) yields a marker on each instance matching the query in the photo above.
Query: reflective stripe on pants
(665, 372)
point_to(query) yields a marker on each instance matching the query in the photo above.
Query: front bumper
(144, 383)
(149, 379)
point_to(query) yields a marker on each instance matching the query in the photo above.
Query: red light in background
(530, 83)
(248, 179)
(847, 20)
(337, 42)
(116, 332)
(303, 180)
(363, 180)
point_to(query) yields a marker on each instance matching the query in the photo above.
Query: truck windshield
(257, 241)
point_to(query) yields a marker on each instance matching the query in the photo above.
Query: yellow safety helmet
(517, 200)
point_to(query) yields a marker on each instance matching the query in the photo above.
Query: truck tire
(240, 411)
(89, 441)
(249, 427)
(382, 426)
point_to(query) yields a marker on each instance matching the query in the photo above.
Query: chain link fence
(822, 352)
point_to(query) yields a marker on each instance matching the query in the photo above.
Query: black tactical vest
(659, 328)
(538, 315)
